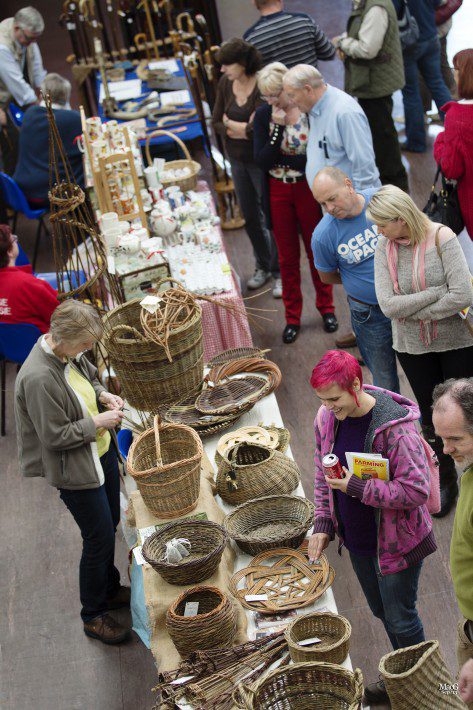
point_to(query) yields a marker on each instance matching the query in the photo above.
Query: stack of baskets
(158, 358)
(165, 462)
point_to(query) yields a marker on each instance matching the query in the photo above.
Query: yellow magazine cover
(367, 466)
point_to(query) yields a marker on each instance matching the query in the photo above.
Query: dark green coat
(383, 75)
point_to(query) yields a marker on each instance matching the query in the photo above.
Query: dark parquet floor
(46, 661)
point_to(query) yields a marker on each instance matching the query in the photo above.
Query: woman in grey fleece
(422, 283)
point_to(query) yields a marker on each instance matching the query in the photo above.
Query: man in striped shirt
(288, 37)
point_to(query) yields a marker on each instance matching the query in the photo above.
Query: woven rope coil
(214, 624)
(251, 471)
(207, 540)
(270, 522)
(334, 632)
(305, 686)
(414, 678)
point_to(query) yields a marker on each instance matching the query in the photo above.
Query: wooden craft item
(290, 582)
(236, 354)
(249, 434)
(230, 396)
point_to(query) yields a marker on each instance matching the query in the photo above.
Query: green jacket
(56, 437)
(383, 75)
(461, 546)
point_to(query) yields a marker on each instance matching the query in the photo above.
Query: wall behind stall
(235, 16)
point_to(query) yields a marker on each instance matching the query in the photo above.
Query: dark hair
(463, 63)
(237, 51)
(5, 245)
(460, 392)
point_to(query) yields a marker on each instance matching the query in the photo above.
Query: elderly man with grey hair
(339, 135)
(453, 422)
(32, 170)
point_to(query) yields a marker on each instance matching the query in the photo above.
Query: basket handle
(243, 696)
(358, 688)
(157, 422)
(168, 279)
(162, 132)
(122, 329)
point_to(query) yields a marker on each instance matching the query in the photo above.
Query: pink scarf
(428, 329)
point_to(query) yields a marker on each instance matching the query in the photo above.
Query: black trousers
(9, 140)
(426, 371)
(385, 141)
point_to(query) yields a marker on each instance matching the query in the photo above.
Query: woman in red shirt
(23, 297)
(453, 149)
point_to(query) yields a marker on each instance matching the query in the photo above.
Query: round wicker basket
(213, 626)
(334, 632)
(270, 522)
(185, 183)
(207, 540)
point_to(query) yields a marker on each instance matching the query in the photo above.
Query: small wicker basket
(207, 540)
(270, 522)
(303, 686)
(213, 626)
(185, 183)
(334, 632)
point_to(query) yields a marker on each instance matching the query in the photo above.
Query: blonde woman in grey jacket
(64, 437)
(422, 283)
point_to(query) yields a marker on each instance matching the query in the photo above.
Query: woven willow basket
(165, 462)
(185, 183)
(207, 540)
(213, 626)
(334, 632)
(250, 471)
(414, 677)
(147, 377)
(270, 522)
(304, 686)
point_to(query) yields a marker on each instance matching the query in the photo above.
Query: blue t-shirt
(348, 245)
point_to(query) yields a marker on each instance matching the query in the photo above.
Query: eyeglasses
(273, 96)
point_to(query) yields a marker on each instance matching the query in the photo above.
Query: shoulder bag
(443, 205)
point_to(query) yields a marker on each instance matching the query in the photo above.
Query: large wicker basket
(416, 678)
(213, 626)
(185, 183)
(334, 632)
(165, 462)
(250, 471)
(207, 540)
(304, 686)
(149, 379)
(270, 522)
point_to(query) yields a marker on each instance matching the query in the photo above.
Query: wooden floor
(46, 661)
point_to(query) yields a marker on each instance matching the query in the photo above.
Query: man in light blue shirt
(339, 135)
(343, 245)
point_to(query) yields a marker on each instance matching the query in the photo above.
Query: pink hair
(337, 367)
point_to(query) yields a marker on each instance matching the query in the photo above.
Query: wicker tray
(334, 632)
(286, 577)
(270, 370)
(235, 354)
(304, 686)
(231, 396)
(214, 625)
(185, 412)
(207, 540)
(270, 522)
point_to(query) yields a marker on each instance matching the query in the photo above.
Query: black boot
(447, 472)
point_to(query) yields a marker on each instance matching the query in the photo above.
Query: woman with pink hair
(384, 525)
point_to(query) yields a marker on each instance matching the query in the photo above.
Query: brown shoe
(120, 599)
(346, 341)
(106, 629)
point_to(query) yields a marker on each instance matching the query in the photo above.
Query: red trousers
(292, 208)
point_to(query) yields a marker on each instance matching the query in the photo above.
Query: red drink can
(332, 466)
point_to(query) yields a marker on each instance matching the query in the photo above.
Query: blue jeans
(392, 598)
(97, 513)
(375, 342)
(423, 57)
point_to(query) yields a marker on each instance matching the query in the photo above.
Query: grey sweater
(448, 291)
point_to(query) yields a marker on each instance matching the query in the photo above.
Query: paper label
(140, 560)
(146, 532)
(309, 642)
(150, 303)
(256, 597)
(191, 609)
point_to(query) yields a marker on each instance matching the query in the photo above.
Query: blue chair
(125, 437)
(16, 341)
(16, 200)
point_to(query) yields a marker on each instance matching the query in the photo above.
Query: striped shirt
(291, 38)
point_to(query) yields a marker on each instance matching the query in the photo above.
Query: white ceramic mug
(151, 176)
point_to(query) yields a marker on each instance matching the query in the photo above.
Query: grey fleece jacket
(55, 439)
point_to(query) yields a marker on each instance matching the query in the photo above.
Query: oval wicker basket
(149, 379)
(207, 540)
(185, 183)
(250, 471)
(165, 462)
(304, 686)
(213, 626)
(334, 632)
(269, 522)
